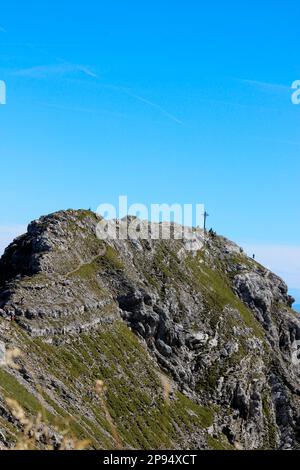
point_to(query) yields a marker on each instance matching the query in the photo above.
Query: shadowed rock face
(215, 324)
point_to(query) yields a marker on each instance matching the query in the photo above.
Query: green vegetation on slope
(218, 292)
(134, 396)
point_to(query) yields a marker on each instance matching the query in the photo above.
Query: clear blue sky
(165, 101)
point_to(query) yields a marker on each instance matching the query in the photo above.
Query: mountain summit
(192, 349)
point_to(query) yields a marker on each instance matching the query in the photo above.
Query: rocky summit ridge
(196, 348)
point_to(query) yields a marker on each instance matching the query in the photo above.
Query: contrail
(128, 92)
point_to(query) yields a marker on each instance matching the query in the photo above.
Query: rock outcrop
(196, 343)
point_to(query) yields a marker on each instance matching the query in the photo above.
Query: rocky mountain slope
(194, 348)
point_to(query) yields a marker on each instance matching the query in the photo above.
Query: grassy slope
(115, 355)
(134, 394)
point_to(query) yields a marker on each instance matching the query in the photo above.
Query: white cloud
(8, 234)
(45, 71)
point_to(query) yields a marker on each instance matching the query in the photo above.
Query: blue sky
(162, 101)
